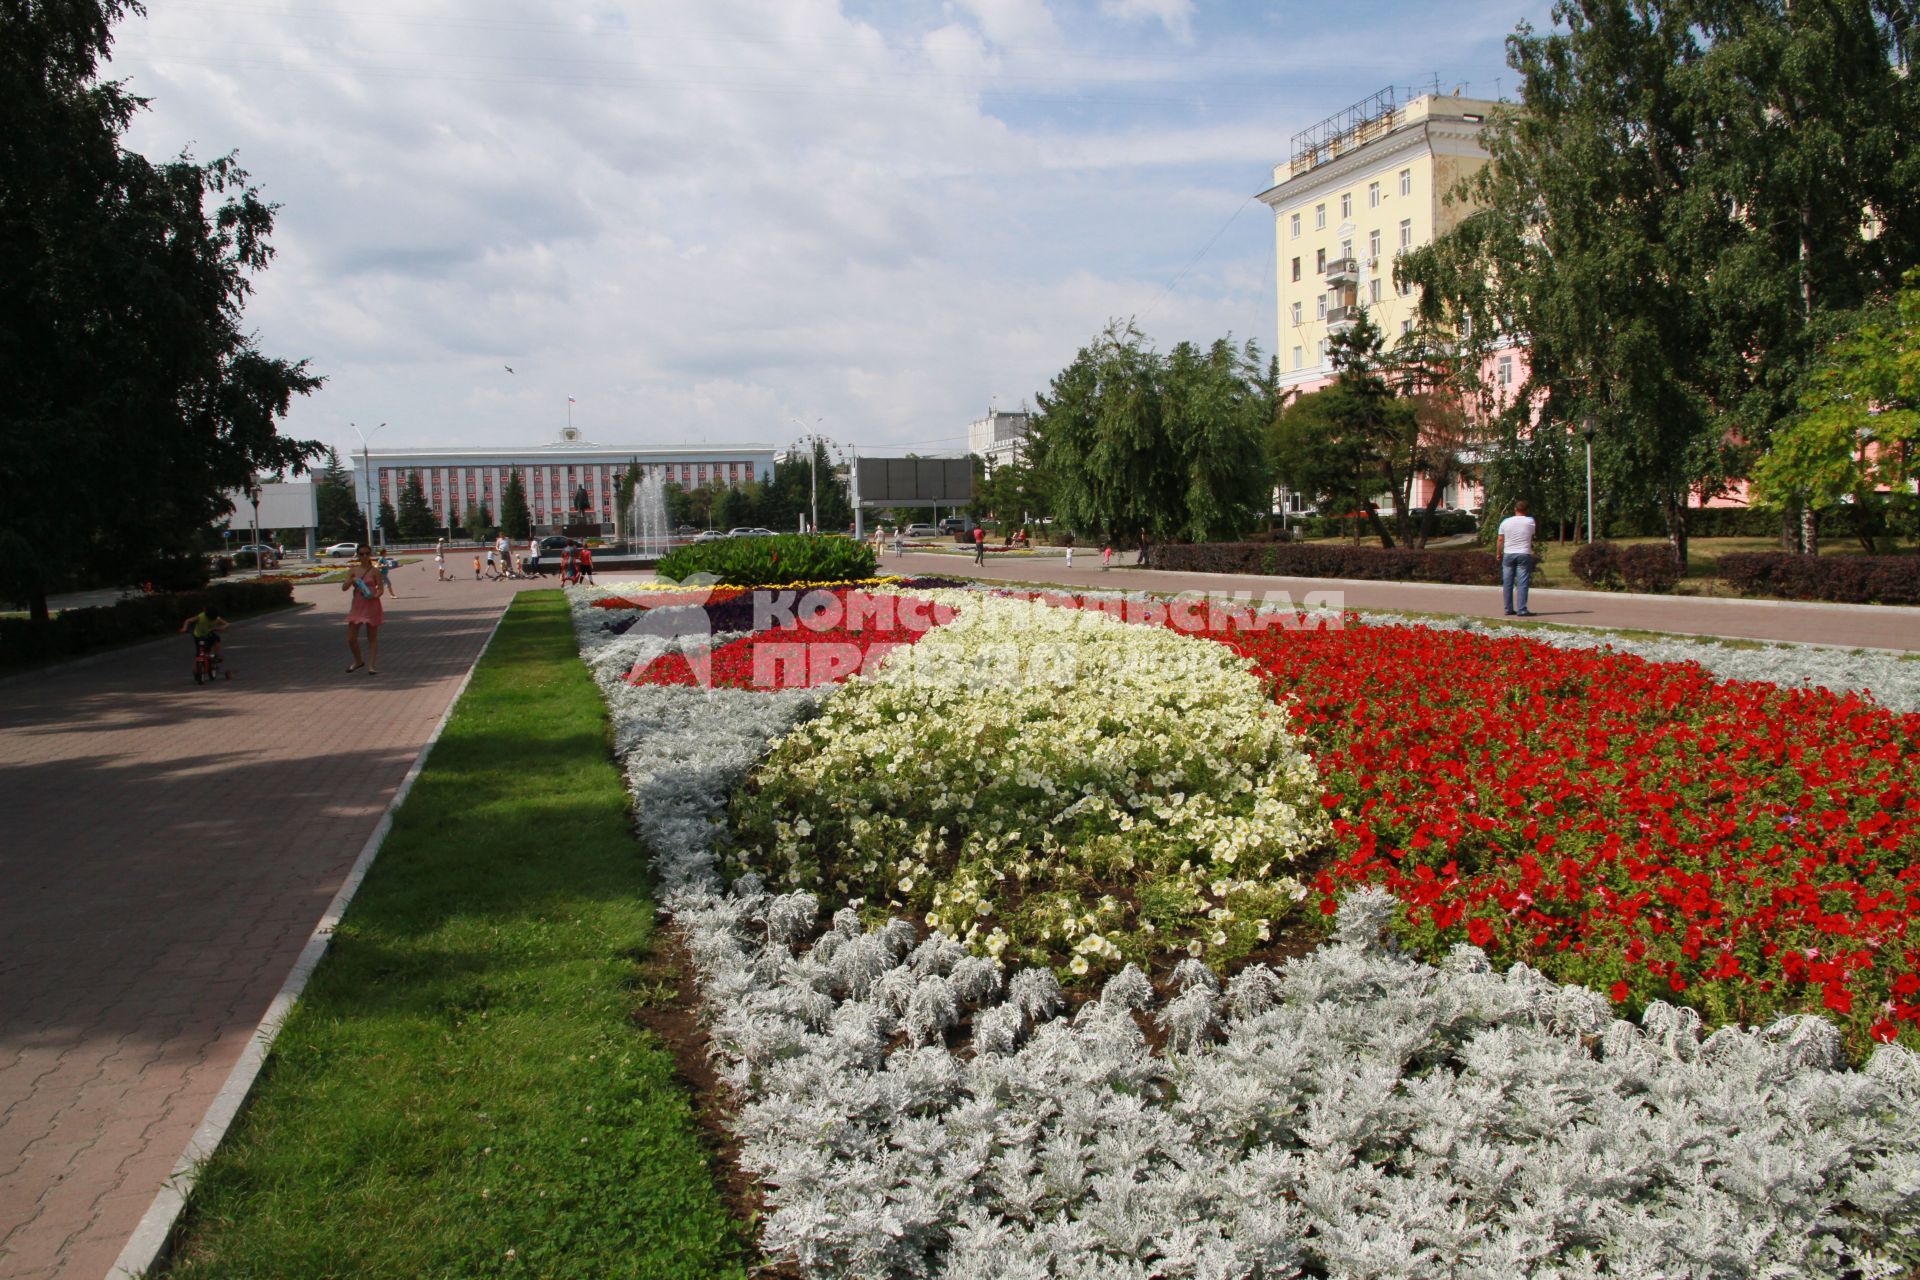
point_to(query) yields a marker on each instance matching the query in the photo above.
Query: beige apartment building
(1358, 189)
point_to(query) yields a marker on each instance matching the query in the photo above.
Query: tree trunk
(1677, 527)
(1809, 531)
(1379, 526)
(1790, 529)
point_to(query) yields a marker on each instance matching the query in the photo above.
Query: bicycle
(207, 662)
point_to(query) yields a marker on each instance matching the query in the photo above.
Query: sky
(740, 221)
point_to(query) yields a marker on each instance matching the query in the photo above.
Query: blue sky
(709, 221)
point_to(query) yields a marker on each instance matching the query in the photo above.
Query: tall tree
(1354, 439)
(124, 359)
(335, 507)
(389, 522)
(1680, 197)
(415, 513)
(478, 522)
(516, 519)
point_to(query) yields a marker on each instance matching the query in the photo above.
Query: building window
(1319, 215)
(1406, 326)
(1296, 313)
(1319, 262)
(1323, 351)
(1373, 195)
(1346, 204)
(1299, 358)
(1296, 276)
(1346, 248)
(1295, 225)
(1406, 288)
(1320, 307)
(1406, 182)
(1506, 371)
(1406, 233)
(1373, 244)
(1373, 289)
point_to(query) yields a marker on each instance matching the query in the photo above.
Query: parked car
(709, 535)
(922, 531)
(269, 556)
(955, 524)
(750, 532)
(341, 550)
(555, 545)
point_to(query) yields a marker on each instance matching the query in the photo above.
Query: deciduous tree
(124, 357)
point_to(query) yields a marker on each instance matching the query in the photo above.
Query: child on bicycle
(207, 626)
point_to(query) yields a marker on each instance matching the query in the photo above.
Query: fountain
(647, 522)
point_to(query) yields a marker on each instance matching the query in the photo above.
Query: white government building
(998, 437)
(456, 480)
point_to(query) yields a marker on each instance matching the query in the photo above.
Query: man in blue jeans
(1514, 546)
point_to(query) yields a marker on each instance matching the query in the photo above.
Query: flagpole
(569, 413)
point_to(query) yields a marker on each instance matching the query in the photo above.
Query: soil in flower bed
(1636, 827)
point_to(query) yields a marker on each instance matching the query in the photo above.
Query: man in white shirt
(1514, 546)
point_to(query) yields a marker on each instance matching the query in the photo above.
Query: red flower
(1619, 992)
(1479, 932)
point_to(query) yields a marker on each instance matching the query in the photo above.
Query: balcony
(1343, 271)
(1342, 318)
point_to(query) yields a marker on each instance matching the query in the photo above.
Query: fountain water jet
(647, 521)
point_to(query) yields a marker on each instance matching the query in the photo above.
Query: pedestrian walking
(566, 565)
(492, 571)
(980, 544)
(1069, 542)
(1106, 556)
(367, 583)
(584, 564)
(505, 549)
(1514, 546)
(533, 557)
(1142, 561)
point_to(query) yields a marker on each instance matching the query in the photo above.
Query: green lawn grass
(461, 1091)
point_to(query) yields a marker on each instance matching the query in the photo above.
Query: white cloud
(725, 216)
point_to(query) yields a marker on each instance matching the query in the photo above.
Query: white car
(744, 532)
(339, 549)
(922, 531)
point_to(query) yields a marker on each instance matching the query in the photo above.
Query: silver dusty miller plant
(1356, 1114)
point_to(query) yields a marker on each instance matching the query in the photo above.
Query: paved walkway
(1862, 626)
(168, 849)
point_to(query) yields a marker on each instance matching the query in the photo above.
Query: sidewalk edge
(148, 1244)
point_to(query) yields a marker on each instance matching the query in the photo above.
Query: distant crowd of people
(502, 560)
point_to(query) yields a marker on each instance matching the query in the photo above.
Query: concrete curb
(147, 1247)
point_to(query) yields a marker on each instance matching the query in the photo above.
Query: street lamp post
(366, 466)
(253, 492)
(1586, 432)
(812, 441)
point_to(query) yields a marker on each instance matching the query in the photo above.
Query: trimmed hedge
(1286, 559)
(1444, 525)
(1652, 567)
(1842, 579)
(74, 631)
(771, 562)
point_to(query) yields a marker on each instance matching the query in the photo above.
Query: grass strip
(461, 1090)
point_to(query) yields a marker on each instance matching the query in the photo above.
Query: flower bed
(1634, 826)
(1054, 788)
(916, 1109)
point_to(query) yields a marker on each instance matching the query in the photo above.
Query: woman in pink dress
(367, 583)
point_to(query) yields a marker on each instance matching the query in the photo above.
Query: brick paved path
(1864, 626)
(167, 850)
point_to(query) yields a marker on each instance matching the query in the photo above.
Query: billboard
(886, 482)
(282, 506)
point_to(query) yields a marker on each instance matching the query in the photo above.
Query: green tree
(124, 356)
(335, 508)
(1858, 428)
(478, 522)
(389, 522)
(415, 515)
(1667, 218)
(1127, 442)
(1354, 440)
(732, 508)
(1010, 492)
(516, 520)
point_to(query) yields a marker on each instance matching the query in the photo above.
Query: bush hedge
(74, 631)
(1652, 567)
(1444, 525)
(771, 562)
(1843, 579)
(1476, 568)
